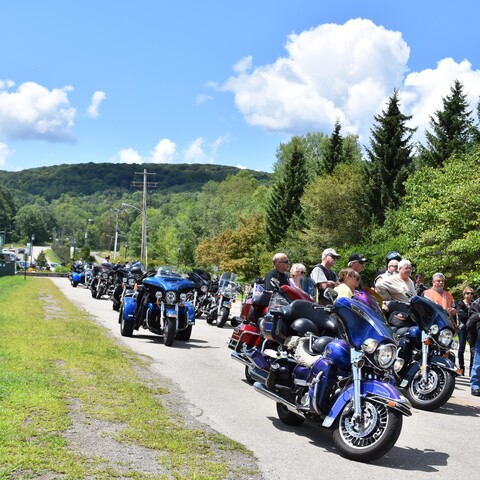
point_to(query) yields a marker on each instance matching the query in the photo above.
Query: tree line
(421, 200)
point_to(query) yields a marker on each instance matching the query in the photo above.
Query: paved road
(439, 444)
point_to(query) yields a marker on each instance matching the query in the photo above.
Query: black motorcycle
(103, 280)
(126, 276)
(201, 297)
(428, 373)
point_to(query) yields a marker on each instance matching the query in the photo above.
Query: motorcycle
(254, 325)
(103, 280)
(77, 275)
(160, 306)
(334, 369)
(429, 371)
(227, 292)
(126, 277)
(201, 297)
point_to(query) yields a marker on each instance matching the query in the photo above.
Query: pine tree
(390, 158)
(334, 155)
(452, 128)
(283, 207)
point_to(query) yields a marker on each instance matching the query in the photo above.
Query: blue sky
(218, 81)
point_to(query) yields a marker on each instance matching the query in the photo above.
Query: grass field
(75, 405)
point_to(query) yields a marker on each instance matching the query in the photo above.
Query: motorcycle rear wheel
(74, 284)
(287, 417)
(185, 334)
(126, 328)
(210, 318)
(372, 439)
(169, 331)
(433, 394)
(223, 317)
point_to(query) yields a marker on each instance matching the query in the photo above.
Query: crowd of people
(394, 285)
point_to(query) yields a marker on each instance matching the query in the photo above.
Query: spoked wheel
(287, 417)
(169, 331)
(369, 437)
(433, 393)
(223, 317)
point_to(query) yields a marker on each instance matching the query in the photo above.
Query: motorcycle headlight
(204, 289)
(171, 297)
(158, 295)
(386, 355)
(369, 345)
(434, 329)
(445, 338)
(398, 365)
(454, 345)
(131, 282)
(105, 275)
(183, 297)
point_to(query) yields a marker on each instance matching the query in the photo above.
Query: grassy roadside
(60, 374)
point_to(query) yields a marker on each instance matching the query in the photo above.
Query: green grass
(53, 356)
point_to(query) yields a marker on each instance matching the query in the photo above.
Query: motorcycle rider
(473, 332)
(279, 271)
(392, 258)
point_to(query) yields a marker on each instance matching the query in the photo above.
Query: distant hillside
(88, 178)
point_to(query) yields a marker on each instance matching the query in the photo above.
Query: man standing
(323, 275)
(473, 332)
(357, 262)
(279, 272)
(441, 296)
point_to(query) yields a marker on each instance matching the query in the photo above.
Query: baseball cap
(330, 251)
(356, 257)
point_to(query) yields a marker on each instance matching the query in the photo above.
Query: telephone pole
(145, 185)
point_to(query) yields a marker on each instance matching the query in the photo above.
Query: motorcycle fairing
(378, 391)
(75, 277)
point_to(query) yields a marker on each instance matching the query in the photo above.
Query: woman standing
(463, 311)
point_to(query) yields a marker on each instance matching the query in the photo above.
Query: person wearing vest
(323, 276)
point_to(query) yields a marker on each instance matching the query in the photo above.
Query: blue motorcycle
(160, 305)
(429, 372)
(334, 369)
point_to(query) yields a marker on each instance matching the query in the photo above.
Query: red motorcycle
(255, 329)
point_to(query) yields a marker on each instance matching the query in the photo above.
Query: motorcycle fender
(190, 311)
(170, 312)
(227, 304)
(129, 309)
(379, 391)
(76, 277)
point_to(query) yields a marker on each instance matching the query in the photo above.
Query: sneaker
(476, 392)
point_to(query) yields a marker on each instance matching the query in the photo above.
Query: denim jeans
(462, 340)
(475, 377)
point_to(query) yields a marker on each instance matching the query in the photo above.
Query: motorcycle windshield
(227, 283)
(426, 313)
(360, 322)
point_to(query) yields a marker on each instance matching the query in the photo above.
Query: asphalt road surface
(440, 445)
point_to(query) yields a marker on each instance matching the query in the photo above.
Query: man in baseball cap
(357, 262)
(323, 275)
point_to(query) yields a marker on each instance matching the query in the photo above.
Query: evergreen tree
(452, 128)
(283, 206)
(390, 158)
(334, 154)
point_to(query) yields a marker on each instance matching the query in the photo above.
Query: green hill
(88, 178)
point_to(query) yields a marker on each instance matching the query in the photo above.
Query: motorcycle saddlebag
(244, 334)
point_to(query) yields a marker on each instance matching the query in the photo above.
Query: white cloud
(199, 99)
(34, 112)
(97, 98)
(5, 152)
(345, 72)
(201, 151)
(129, 155)
(164, 152)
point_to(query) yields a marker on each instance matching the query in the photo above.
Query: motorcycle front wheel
(185, 334)
(433, 393)
(169, 331)
(223, 317)
(370, 437)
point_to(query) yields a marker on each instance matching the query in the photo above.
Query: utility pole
(145, 185)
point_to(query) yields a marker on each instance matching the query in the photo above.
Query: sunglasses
(302, 273)
(468, 293)
(283, 261)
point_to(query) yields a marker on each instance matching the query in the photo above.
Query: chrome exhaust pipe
(259, 387)
(242, 359)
